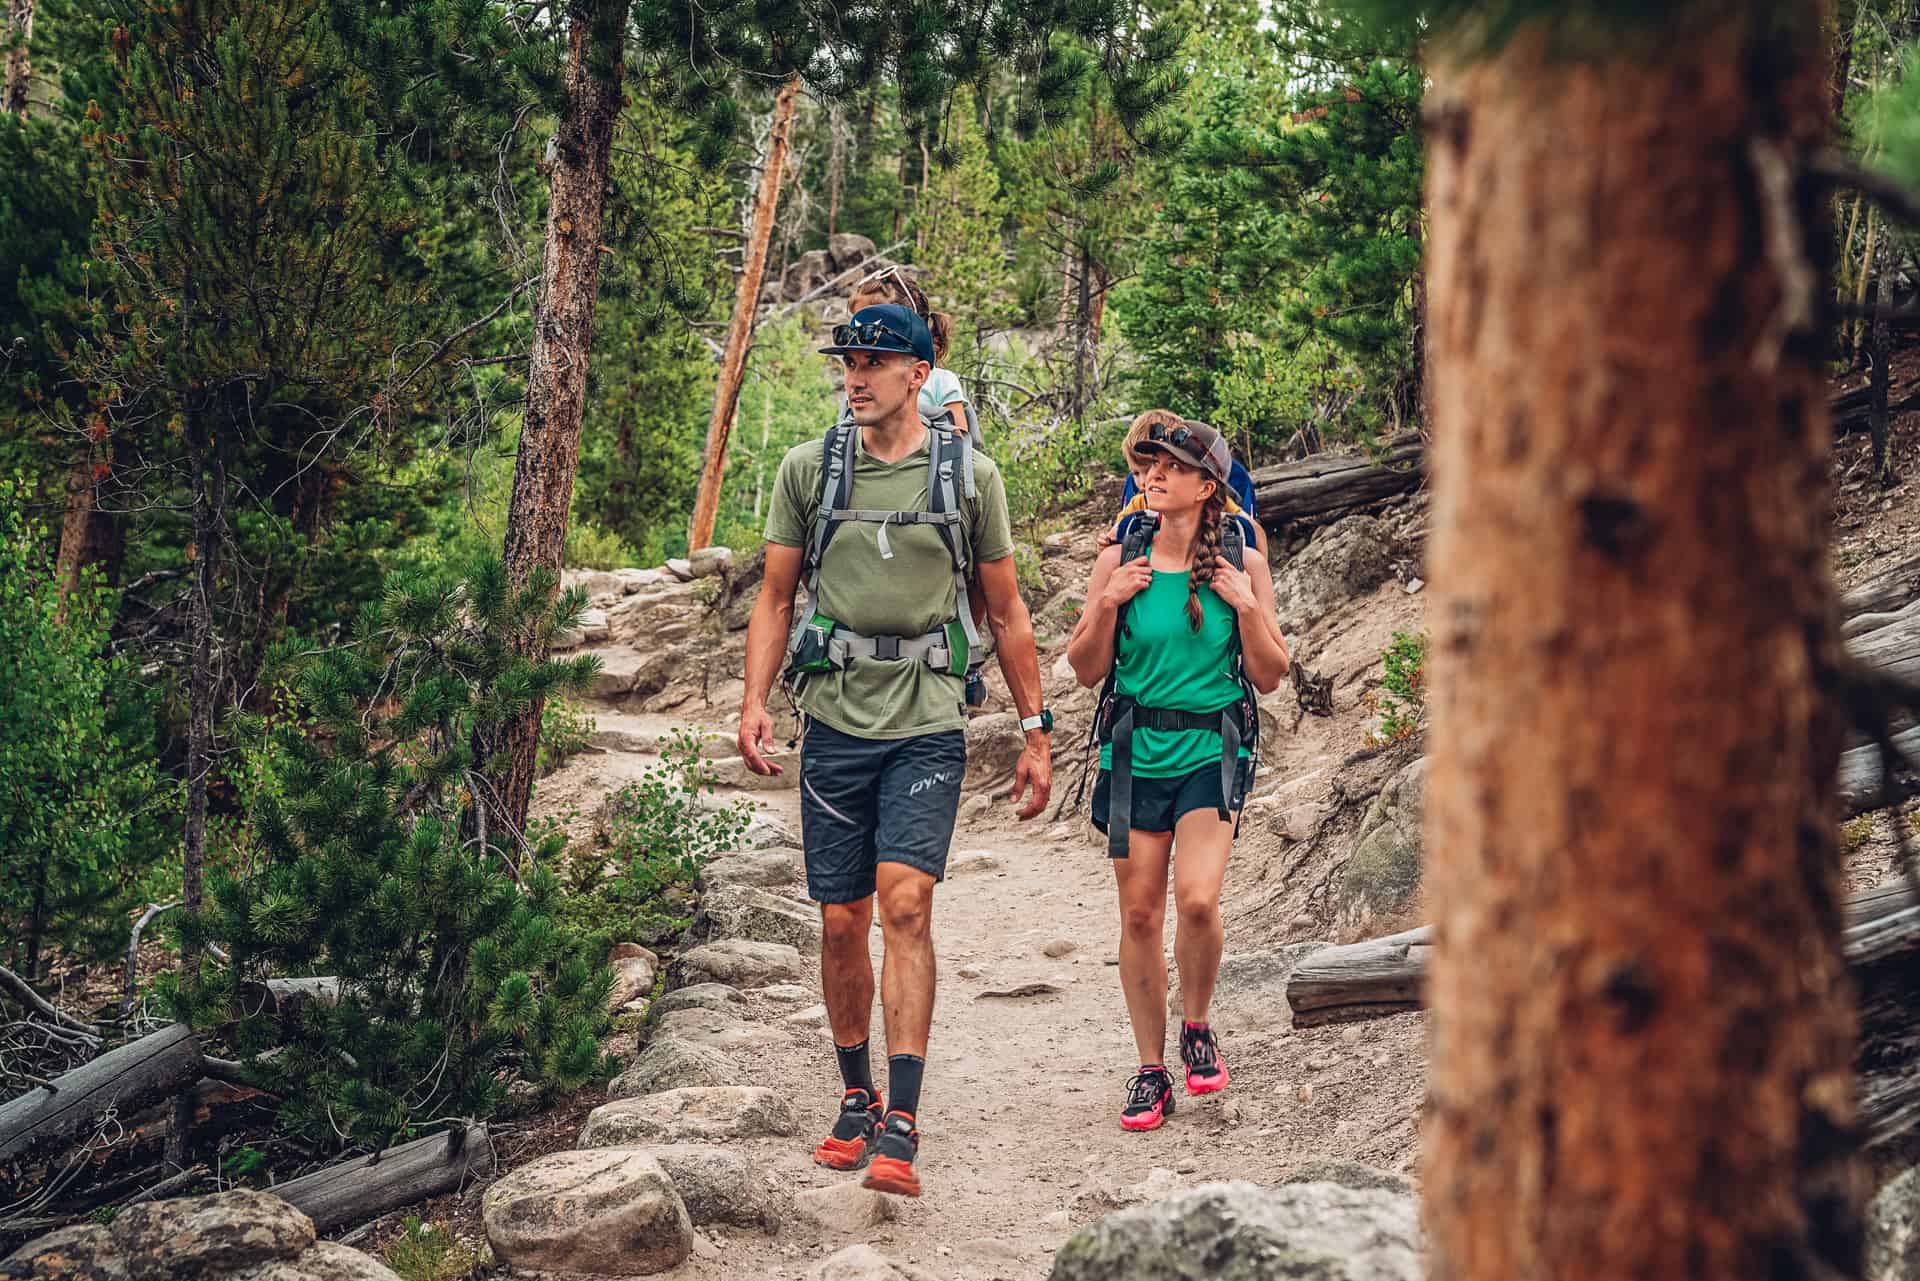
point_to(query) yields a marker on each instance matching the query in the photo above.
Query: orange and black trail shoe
(851, 1142)
(894, 1150)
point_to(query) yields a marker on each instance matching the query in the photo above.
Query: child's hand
(1107, 537)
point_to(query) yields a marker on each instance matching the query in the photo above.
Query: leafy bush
(86, 813)
(589, 546)
(1402, 697)
(566, 727)
(364, 860)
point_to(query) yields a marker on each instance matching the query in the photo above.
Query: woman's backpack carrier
(820, 644)
(1119, 715)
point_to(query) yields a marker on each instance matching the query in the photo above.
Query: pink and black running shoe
(1149, 1099)
(1206, 1070)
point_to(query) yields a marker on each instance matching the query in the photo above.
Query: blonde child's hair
(894, 285)
(1138, 432)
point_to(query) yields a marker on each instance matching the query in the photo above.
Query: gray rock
(765, 869)
(633, 951)
(632, 977)
(741, 963)
(670, 1063)
(1893, 1230)
(1242, 1232)
(973, 862)
(594, 582)
(192, 1238)
(1346, 559)
(994, 744)
(849, 249)
(1250, 993)
(709, 561)
(703, 1114)
(1057, 617)
(864, 1263)
(1383, 872)
(769, 831)
(808, 272)
(748, 912)
(717, 1185)
(84, 1252)
(786, 993)
(844, 1207)
(643, 618)
(701, 996)
(1348, 1174)
(725, 1030)
(604, 1213)
(327, 1261)
(633, 580)
(733, 771)
(680, 568)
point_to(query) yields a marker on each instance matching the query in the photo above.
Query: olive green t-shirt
(1162, 662)
(908, 595)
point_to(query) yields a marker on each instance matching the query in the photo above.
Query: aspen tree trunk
(1641, 1020)
(746, 301)
(536, 534)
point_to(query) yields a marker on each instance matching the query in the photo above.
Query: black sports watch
(1043, 721)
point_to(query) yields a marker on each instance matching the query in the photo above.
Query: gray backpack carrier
(820, 644)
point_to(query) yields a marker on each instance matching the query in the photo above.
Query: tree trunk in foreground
(1635, 659)
(746, 300)
(536, 536)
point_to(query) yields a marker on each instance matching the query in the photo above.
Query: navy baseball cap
(887, 326)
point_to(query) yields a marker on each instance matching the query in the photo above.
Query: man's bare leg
(846, 969)
(907, 973)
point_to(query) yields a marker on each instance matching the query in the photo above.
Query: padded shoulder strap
(837, 452)
(1233, 542)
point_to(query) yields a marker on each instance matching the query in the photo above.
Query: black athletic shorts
(865, 801)
(1159, 803)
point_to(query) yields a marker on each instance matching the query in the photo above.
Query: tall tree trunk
(536, 534)
(203, 685)
(19, 32)
(89, 535)
(836, 164)
(1630, 1080)
(746, 301)
(1875, 233)
(1880, 358)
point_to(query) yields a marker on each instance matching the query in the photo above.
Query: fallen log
(365, 1187)
(121, 1081)
(1327, 484)
(1882, 942)
(1859, 781)
(1888, 591)
(283, 999)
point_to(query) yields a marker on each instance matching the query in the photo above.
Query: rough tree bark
(89, 535)
(1630, 1080)
(543, 473)
(19, 77)
(746, 300)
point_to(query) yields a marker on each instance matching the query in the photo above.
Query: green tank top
(1162, 662)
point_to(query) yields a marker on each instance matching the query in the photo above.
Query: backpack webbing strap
(941, 502)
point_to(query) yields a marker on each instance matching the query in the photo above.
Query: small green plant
(566, 727)
(1402, 697)
(661, 832)
(428, 1252)
(591, 547)
(241, 1163)
(1856, 832)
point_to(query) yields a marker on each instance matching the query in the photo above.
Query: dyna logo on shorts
(931, 780)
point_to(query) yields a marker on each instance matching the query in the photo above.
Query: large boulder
(632, 977)
(85, 1252)
(670, 1063)
(656, 613)
(748, 912)
(1346, 559)
(1348, 1174)
(717, 1185)
(701, 996)
(1383, 872)
(1240, 1231)
(601, 1213)
(845, 1207)
(725, 1029)
(740, 963)
(765, 869)
(1893, 1230)
(849, 249)
(808, 272)
(710, 560)
(705, 1114)
(327, 1261)
(204, 1237)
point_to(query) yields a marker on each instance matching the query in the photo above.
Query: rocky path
(1030, 1051)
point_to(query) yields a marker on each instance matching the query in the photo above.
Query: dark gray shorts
(865, 801)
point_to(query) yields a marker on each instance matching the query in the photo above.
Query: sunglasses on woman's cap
(1193, 443)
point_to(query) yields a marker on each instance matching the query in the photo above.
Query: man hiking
(885, 522)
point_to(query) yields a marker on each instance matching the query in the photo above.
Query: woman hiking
(1184, 633)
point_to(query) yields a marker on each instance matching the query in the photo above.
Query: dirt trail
(1021, 1142)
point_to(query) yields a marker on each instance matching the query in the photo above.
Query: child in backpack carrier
(1133, 501)
(942, 393)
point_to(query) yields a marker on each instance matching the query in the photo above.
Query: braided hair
(1206, 552)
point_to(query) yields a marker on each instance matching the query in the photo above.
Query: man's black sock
(903, 1083)
(856, 1067)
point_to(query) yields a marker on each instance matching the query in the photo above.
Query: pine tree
(455, 971)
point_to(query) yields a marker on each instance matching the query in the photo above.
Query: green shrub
(1402, 698)
(566, 727)
(428, 1252)
(86, 813)
(591, 547)
(363, 860)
